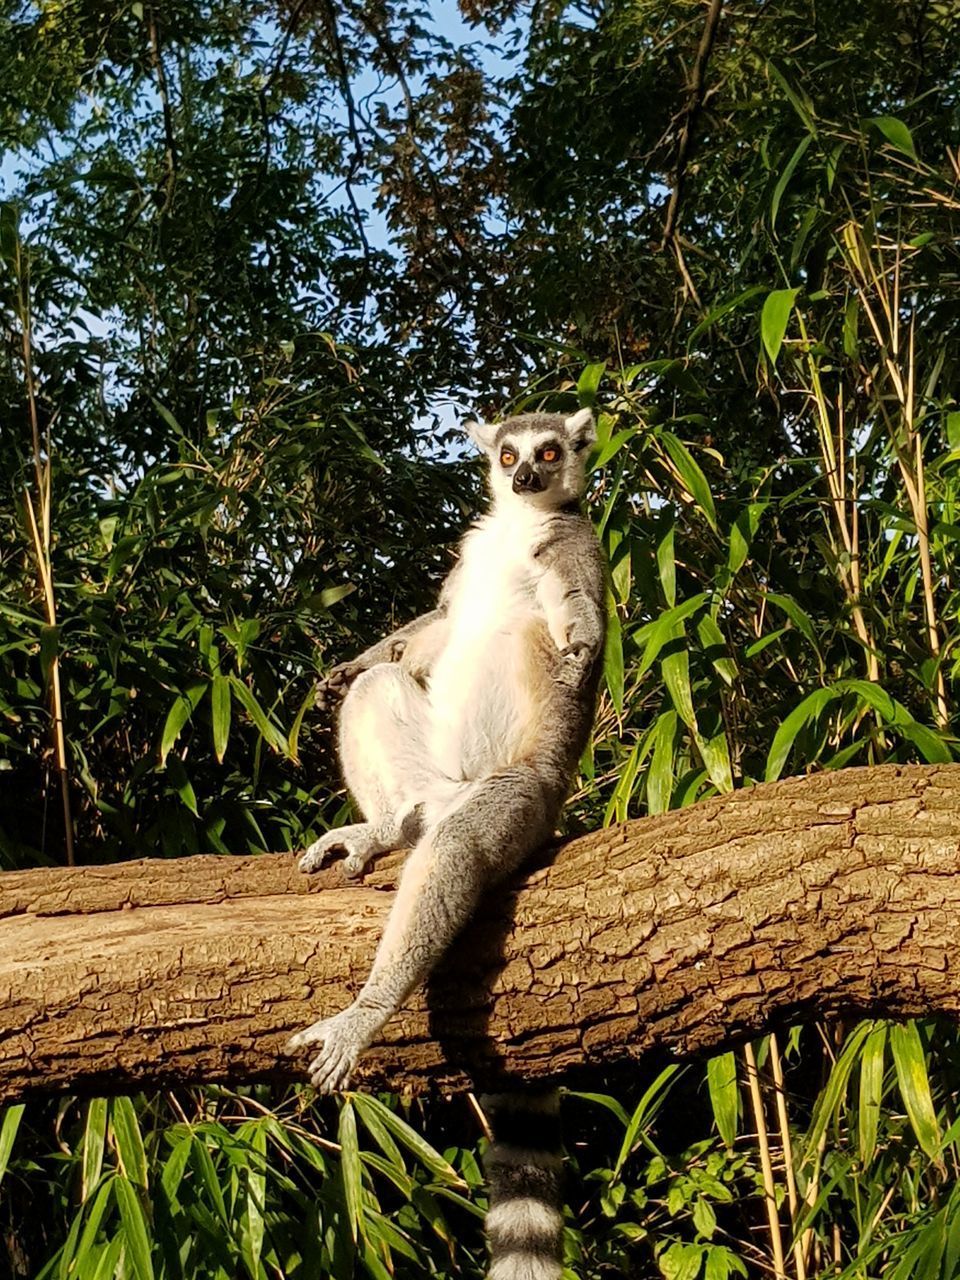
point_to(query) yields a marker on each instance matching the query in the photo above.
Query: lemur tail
(525, 1180)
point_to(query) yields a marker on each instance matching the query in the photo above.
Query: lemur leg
(501, 820)
(385, 766)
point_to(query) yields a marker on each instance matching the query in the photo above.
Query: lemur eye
(507, 457)
(550, 454)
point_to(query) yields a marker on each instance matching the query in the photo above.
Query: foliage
(246, 255)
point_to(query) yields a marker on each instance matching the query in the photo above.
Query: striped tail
(524, 1167)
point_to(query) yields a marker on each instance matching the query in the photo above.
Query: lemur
(459, 736)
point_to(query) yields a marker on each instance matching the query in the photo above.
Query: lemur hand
(332, 687)
(575, 662)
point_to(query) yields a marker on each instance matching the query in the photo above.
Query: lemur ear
(581, 430)
(481, 433)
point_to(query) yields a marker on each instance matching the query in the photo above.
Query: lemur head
(537, 457)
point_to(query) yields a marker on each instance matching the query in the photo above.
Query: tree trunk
(826, 895)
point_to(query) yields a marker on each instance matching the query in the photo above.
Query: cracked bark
(685, 933)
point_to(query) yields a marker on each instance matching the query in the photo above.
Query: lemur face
(537, 457)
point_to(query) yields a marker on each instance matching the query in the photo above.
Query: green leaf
(129, 1143)
(351, 1175)
(835, 1090)
(704, 1218)
(871, 1091)
(800, 619)
(220, 703)
(613, 668)
(741, 536)
(135, 1234)
(94, 1136)
(268, 730)
(712, 639)
(676, 676)
(589, 383)
(953, 429)
(896, 133)
(691, 474)
(774, 319)
(602, 453)
(91, 1227)
(644, 1113)
(723, 309)
(665, 628)
(716, 759)
(910, 1062)
(667, 565)
(333, 595)
(178, 715)
(660, 773)
(724, 1095)
(8, 1133)
(806, 712)
(254, 1198)
(167, 416)
(785, 177)
(851, 321)
(416, 1145)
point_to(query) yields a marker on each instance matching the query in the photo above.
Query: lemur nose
(526, 479)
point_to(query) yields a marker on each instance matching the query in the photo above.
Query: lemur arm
(574, 613)
(335, 683)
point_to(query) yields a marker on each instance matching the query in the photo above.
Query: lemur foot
(355, 843)
(341, 1042)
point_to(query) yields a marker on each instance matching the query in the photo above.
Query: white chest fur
(473, 696)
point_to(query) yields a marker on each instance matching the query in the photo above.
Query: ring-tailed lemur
(460, 735)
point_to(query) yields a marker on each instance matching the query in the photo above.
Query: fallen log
(828, 895)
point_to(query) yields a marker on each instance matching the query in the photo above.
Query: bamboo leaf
(416, 1145)
(724, 1095)
(896, 133)
(667, 565)
(785, 177)
(128, 1140)
(268, 730)
(8, 1133)
(910, 1062)
(135, 1235)
(806, 712)
(871, 1091)
(220, 711)
(774, 319)
(691, 474)
(178, 715)
(716, 759)
(660, 773)
(676, 676)
(94, 1137)
(351, 1175)
(613, 667)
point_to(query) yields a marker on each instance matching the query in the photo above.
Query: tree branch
(694, 104)
(835, 894)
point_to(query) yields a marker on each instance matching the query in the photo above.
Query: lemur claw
(574, 665)
(333, 686)
(355, 855)
(340, 1047)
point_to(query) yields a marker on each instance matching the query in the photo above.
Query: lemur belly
(482, 708)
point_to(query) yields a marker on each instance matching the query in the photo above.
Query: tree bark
(834, 894)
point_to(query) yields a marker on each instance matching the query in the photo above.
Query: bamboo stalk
(787, 1145)
(40, 536)
(766, 1167)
